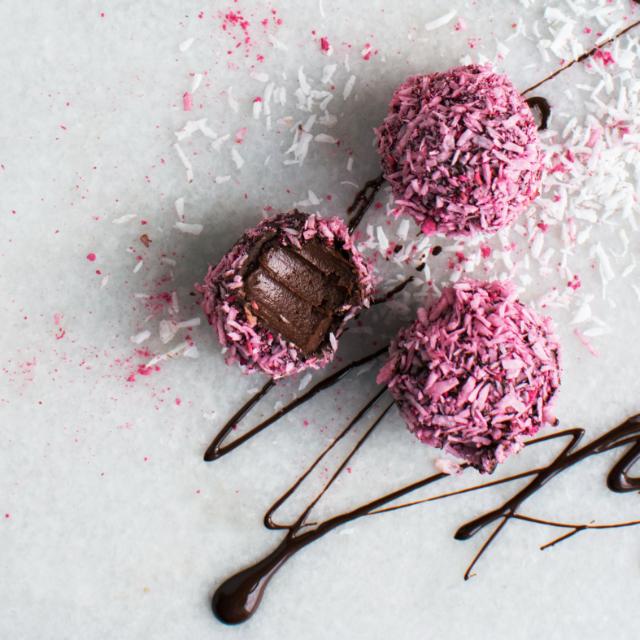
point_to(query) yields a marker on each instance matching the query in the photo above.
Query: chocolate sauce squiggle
(583, 57)
(363, 200)
(542, 104)
(238, 598)
(217, 448)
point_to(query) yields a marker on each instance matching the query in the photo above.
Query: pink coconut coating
(476, 373)
(461, 151)
(253, 346)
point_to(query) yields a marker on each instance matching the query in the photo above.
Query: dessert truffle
(460, 150)
(281, 297)
(476, 373)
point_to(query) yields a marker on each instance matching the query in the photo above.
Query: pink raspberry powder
(461, 151)
(476, 373)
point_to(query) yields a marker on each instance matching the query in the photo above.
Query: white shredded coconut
(185, 227)
(179, 204)
(238, 160)
(348, 87)
(185, 161)
(186, 44)
(441, 21)
(127, 217)
(140, 337)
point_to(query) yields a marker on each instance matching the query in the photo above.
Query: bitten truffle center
(299, 292)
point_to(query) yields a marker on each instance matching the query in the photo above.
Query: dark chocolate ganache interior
(300, 292)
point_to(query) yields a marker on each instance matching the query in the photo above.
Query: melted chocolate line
(268, 517)
(584, 56)
(217, 448)
(542, 104)
(363, 200)
(385, 297)
(238, 597)
(582, 525)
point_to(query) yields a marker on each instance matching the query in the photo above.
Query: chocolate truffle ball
(281, 297)
(476, 373)
(460, 150)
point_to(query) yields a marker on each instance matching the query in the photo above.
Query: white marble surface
(111, 525)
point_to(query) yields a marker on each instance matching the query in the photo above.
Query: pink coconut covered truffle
(281, 297)
(476, 373)
(460, 150)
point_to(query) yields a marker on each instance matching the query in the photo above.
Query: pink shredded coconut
(246, 342)
(476, 373)
(461, 151)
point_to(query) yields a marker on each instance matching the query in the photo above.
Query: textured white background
(114, 526)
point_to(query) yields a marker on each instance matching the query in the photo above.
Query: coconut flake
(185, 44)
(348, 87)
(185, 162)
(441, 21)
(127, 217)
(185, 227)
(140, 337)
(238, 160)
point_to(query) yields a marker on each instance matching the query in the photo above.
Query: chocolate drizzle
(363, 200)
(217, 448)
(584, 56)
(237, 598)
(542, 105)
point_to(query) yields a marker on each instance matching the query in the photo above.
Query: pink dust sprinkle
(187, 101)
(142, 370)
(605, 56)
(178, 401)
(91, 257)
(367, 51)
(587, 30)
(575, 282)
(585, 342)
(543, 226)
(325, 47)
(240, 135)
(257, 99)
(7, 515)
(485, 250)
(460, 25)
